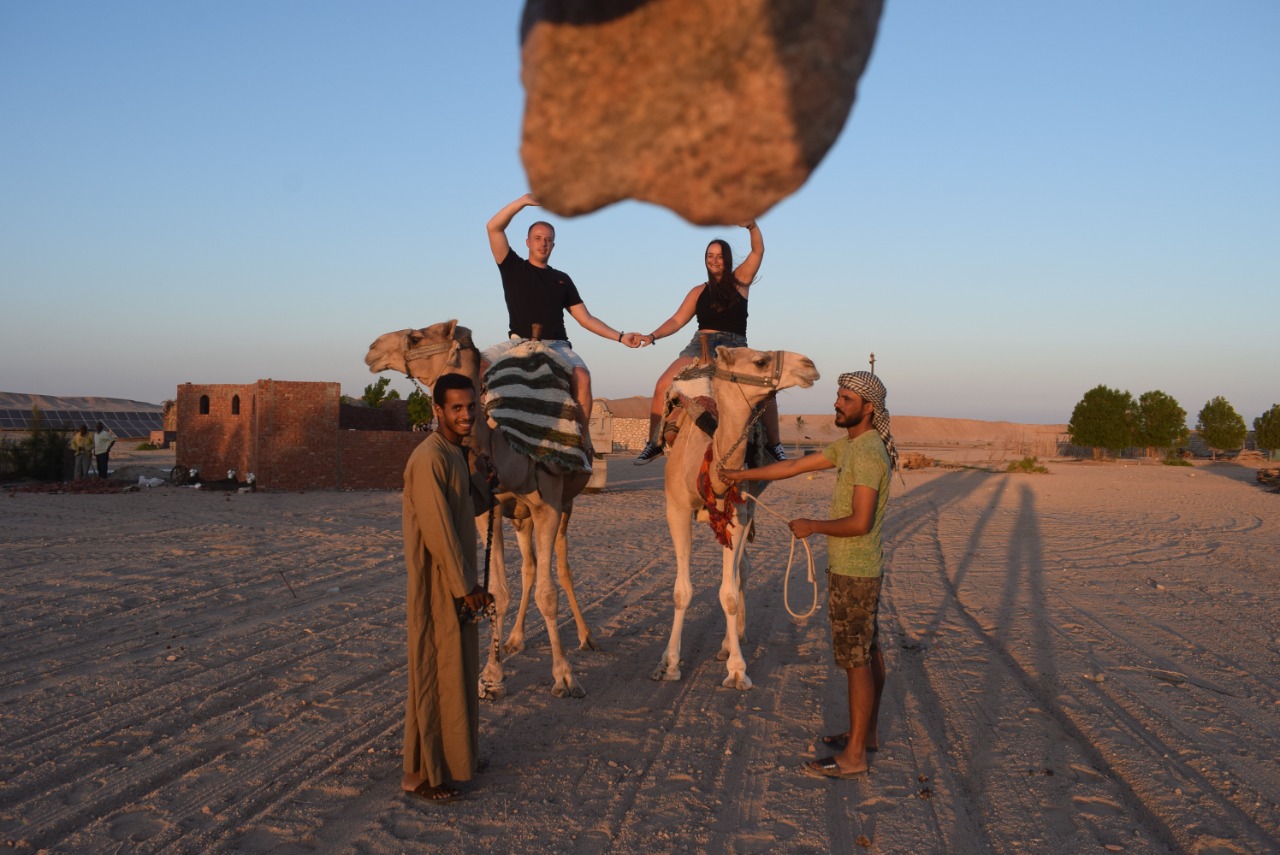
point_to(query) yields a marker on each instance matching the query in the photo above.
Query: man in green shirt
(863, 461)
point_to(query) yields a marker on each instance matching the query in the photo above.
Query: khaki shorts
(853, 603)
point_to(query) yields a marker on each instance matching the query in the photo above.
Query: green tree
(1221, 427)
(376, 393)
(1266, 429)
(1101, 420)
(419, 403)
(1159, 422)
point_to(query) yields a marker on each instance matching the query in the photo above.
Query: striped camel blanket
(528, 397)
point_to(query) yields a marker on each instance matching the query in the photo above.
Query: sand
(1079, 661)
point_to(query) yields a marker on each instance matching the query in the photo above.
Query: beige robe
(442, 714)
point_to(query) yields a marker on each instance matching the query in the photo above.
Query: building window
(235, 405)
(204, 405)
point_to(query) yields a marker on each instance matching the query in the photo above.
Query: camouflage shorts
(852, 605)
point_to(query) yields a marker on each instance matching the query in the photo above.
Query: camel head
(424, 353)
(764, 370)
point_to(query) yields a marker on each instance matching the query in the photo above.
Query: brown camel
(540, 501)
(743, 381)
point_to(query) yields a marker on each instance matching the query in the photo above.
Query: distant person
(442, 713)
(720, 305)
(537, 293)
(82, 448)
(103, 439)
(863, 461)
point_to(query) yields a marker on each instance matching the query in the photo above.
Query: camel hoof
(572, 690)
(723, 654)
(492, 691)
(513, 646)
(588, 643)
(741, 682)
(665, 674)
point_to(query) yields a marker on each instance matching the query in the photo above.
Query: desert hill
(25, 401)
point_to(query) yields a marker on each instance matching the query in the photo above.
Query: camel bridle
(453, 346)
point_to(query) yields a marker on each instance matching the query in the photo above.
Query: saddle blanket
(528, 396)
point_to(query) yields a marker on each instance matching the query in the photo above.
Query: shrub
(1028, 465)
(1175, 460)
(41, 455)
(147, 446)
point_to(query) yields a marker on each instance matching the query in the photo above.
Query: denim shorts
(715, 339)
(559, 345)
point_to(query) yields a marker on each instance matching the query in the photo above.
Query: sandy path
(1079, 661)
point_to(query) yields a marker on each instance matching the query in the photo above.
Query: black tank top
(732, 319)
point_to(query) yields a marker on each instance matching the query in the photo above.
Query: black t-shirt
(732, 319)
(536, 295)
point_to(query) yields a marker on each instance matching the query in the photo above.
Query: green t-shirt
(860, 462)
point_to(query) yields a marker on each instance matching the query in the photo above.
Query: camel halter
(453, 346)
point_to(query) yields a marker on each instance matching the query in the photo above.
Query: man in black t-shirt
(538, 293)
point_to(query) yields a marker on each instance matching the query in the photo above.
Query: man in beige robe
(442, 714)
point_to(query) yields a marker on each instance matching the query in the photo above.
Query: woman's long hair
(724, 291)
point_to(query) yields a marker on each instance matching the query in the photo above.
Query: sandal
(428, 793)
(827, 767)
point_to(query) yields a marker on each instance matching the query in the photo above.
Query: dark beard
(854, 422)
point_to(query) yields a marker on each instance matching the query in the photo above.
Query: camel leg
(565, 575)
(546, 525)
(528, 569)
(740, 623)
(680, 525)
(491, 678)
(731, 601)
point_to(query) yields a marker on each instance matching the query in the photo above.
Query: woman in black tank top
(720, 305)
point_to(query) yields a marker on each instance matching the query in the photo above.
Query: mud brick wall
(375, 459)
(219, 439)
(287, 434)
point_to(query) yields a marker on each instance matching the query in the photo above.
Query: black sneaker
(778, 452)
(650, 452)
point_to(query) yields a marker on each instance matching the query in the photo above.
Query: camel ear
(449, 327)
(724, 354)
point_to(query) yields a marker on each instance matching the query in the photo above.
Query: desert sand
(1080, 661)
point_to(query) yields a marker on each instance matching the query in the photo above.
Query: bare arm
(593, 324)
(856, 524)
(781, 470)
(684, 314)
(497, 226)
(750, 266)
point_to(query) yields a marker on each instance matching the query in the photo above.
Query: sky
(1027, 200)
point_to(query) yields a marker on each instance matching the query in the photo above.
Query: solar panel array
(121, 423)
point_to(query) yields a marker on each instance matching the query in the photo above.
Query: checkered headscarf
(869, 387)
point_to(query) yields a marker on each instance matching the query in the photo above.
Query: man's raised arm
(497, 225)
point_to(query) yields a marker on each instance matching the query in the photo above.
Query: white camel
(539, 499)
(743, 381)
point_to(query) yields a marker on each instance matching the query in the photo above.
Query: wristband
(620, 337)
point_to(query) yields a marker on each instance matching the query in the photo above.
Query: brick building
(292, 436)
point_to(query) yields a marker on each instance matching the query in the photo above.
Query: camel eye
(761, 361)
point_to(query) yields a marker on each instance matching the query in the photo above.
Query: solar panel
(131, 424)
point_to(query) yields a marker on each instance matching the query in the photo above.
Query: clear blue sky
(1029, 199)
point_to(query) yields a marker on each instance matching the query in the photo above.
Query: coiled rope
(786, 578)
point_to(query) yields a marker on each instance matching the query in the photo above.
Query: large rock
(714, 110)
